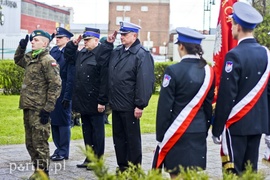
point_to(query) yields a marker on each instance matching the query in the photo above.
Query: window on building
(127, 19)
(119, 8)
(45, 13)
(118, 19)
(144, 8)
(127, 8)
(123, 8)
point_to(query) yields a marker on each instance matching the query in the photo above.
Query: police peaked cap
(90, 33)
(245, 15)
(188, 35)
(127, 27)
(62, 32)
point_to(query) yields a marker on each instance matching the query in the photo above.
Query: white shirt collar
(240, 40)
(190, 56)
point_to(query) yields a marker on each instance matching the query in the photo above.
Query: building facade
(37, 15)
(151, 15)
(21, 17)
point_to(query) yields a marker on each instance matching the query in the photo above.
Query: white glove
(216, 140)
(267, 140)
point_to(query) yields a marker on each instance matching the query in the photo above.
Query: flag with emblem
(54, 64)
(224, 39)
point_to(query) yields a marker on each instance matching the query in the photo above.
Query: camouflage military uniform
(40, 89)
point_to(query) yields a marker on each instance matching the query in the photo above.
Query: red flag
(224, 39)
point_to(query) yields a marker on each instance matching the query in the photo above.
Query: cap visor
(123, 32)
(176, 41)
(60, 35)
(88, 37)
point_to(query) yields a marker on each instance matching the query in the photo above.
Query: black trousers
(126, 138)
(244, 149)
(93, 132)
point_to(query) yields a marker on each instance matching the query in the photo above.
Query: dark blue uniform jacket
(61, 116)
(187, 78)
(249, 61)
(131, 77)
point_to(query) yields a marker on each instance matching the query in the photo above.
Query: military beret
(245, 15)
(90, 33)
(188, 35)
(62, 32)
(127, 27)
(103, 39)
(40, 33)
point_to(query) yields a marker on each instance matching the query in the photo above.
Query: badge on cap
(228, 66)
(166, 80)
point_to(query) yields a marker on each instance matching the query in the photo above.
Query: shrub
(11, 77)
(137, 173)
(159, 73)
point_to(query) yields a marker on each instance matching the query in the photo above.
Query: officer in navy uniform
(184, 83)
(61, 115)
(242, 102)
(131, 82)
(90, 90)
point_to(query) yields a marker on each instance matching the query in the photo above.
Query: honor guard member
(61, 115)
(40, 88)
(184, 107)
(241, 114)
(131, 82)
(90, 91)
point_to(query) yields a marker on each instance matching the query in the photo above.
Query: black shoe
(83, 165)
(58, 158)
(53, 156)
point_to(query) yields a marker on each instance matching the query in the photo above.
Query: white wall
(12, 17)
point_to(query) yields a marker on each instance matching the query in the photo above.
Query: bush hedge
(159, 72)
(102, 172)
(11, 76)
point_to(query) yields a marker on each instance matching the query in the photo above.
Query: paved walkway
(14, 161)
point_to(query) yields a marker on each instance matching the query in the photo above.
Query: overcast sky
(187, 13)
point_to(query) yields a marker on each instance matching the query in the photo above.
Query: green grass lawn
(12, 129)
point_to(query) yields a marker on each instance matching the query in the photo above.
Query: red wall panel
(31, 23)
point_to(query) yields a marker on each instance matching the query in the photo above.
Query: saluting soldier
(184, 107)
(242, 108)
(40, 89)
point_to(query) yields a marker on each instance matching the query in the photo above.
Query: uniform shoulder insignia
(228, 66)
(166, 80)
(54, 64)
